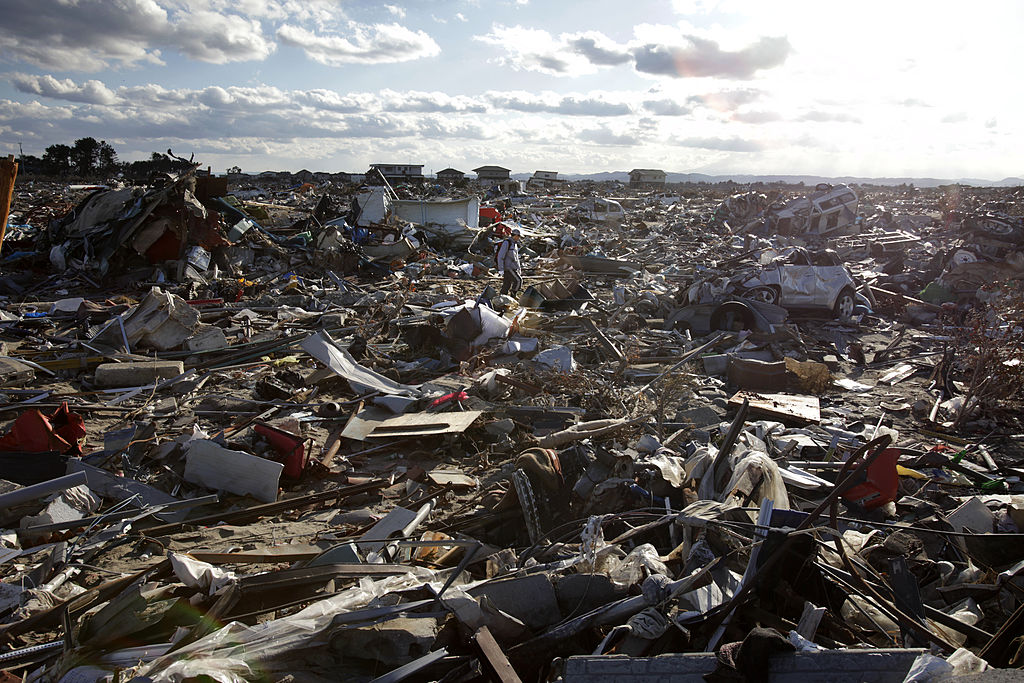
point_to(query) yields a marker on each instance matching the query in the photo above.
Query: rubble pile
(296, 433)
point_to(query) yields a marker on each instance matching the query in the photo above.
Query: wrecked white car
(804, 280)
(601, 210)
(794, 280)
(827, 210)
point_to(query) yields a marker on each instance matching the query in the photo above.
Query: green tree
(106, 158)
(57, 160)
(84, 155)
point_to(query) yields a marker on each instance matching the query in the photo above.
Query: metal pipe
(30, 493)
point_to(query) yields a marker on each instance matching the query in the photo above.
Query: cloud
(723, 144)
(364, 44)
(91, 92)
(89, 35)
(673, 55)
(697, 57)
(430, 102)
(598, 49)
(569, 105)
(727, 100)
(955, 117)
(461, 17)
(604, 136)
(818, 116)
(756, 116)
(667, 108)
(221, 38)
(528, 49)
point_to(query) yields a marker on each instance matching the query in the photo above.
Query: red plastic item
(880, 482)
(290, 447)
(34, 432)
(490, 212)
(458, 396)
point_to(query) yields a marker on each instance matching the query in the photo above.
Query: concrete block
(207, 338)
(137, 373)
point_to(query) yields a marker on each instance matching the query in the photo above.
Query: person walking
(508, 261)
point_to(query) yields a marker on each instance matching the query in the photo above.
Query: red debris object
(880, 482)
(291, 448)
(456, 396)
(491, 213)
(34, 432)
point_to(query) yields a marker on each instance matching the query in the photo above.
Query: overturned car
(828, 210)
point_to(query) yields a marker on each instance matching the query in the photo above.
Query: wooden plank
(804, 409)
(494, 658)
(898, 374)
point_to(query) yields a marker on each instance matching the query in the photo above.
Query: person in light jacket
(508, 261)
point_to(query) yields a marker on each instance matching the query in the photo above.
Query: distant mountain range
(745, 179)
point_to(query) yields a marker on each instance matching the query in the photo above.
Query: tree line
(89, 158)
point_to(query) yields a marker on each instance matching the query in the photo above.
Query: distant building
(400, 173)
(544, 180)
(646, 179)
(450, 175)
(491, 174)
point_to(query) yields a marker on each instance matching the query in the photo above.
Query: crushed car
(828, 210)
(795, 279)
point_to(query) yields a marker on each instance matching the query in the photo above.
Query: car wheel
(768, 295)
(845, 303)
(732, 316)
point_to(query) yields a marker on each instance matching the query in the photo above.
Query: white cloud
(551, 103)
(461, 17)
(364, 44)
(92, 91)
(89, 35)
(656, 50)
(396, 10)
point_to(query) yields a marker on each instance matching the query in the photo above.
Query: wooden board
(795, 408)
(424, 424)
(898, 374)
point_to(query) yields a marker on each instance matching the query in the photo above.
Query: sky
(867, 88)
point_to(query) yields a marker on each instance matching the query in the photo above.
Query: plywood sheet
(792, 407)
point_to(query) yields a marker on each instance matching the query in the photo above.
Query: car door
(799, 284)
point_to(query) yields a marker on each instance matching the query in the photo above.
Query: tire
(767, 295)
(732, 316)
(845, 303)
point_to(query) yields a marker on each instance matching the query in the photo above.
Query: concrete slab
(137, 373)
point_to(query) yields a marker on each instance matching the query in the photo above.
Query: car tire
(845, 303)
(767, 295)
(732, 316)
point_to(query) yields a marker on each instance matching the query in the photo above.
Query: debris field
(298, 434)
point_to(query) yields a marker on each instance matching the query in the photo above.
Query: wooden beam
(8, 172)
(494, 658)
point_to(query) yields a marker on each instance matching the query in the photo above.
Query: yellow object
(907, 472)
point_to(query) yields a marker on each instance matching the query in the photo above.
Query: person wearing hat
(508, 261)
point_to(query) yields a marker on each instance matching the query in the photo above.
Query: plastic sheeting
(229, 652)
(363, 380)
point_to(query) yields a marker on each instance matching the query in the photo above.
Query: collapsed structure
(301, 438)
